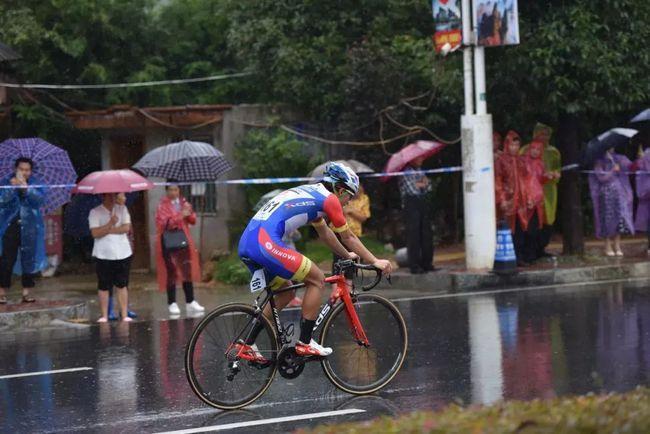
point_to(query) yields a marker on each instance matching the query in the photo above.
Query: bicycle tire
(342, 341)
(270, 347)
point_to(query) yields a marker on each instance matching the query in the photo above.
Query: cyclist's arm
(328, 237)
(353, 243)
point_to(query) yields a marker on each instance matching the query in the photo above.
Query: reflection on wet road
(474, 349)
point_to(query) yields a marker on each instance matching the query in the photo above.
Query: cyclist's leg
(314, 283)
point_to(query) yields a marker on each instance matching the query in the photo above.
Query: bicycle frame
(341, 291)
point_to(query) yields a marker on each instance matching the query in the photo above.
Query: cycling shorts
(259, 250)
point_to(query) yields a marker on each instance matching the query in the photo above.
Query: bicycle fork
(341, 292)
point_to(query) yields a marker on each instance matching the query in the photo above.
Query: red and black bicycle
(366, 331)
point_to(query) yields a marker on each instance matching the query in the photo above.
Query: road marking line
(56, 371)
(530, 288)
(266, 421)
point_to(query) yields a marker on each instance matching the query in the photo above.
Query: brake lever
(389, 279)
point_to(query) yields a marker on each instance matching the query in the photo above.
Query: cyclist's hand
(384, 265)
(353, 256)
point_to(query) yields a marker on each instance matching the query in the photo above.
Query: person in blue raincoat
(22, 229)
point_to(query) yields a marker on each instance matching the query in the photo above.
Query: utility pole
(477, 153)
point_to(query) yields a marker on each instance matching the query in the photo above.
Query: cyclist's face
(344, 196)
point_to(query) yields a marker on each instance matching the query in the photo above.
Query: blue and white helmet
(341, 175)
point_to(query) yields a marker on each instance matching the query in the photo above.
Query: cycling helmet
(341, 175)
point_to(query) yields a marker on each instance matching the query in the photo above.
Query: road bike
(366, 331)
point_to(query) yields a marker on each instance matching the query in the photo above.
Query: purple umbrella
(52, 167)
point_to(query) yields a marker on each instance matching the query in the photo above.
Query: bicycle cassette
(290, 364)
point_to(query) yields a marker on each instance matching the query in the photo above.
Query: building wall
(212, 231)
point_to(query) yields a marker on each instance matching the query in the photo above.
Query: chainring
(290, 364)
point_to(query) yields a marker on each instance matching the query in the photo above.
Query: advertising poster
(447, 18)
(498, 22)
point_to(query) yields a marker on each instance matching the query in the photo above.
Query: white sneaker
(195, 306)
(313, 349)
(174, 309)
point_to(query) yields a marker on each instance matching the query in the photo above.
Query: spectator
(534, 181)
(552, 165)
(414, 189)
(109, 224)
(642, 221)
(22, 229)
(179, 262)
(611, 194)
(357, 211)
(511, 198)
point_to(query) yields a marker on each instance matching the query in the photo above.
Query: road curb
(449, 282)
(10, 321)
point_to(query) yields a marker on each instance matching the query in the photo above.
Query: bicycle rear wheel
(215, 373)
(358, 369)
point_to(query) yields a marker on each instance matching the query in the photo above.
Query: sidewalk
(73, 298)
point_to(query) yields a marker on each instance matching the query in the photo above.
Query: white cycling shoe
(312, 349)
(174, 309)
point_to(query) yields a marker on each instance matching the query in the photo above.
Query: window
(202, 196)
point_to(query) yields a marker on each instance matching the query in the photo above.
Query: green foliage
(273, 153)
(231, 270)
(627, 412)
(585, 57)
(337, 59)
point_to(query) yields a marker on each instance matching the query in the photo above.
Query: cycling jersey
(261, 243)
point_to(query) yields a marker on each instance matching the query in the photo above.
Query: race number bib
(258, 281)
(267, 210)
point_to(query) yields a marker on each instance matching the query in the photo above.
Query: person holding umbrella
(176, 255)
(414, 189)
(110, 224)
(22, 229)
(642, 219)
(27, 165)
(641, 122)
(612, 197)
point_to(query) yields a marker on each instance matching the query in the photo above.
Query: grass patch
(626, 412)
(231, 270)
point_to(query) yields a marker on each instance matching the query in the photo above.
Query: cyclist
(261, 247)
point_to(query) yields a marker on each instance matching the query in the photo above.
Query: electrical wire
(124, 85)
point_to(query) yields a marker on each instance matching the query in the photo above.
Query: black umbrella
(184, 161)
(615, 138)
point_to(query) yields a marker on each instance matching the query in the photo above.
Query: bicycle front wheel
(214, 370)
(359, 369)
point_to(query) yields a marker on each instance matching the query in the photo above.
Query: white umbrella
(355, 165)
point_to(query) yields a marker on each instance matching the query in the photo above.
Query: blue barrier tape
(288, 180)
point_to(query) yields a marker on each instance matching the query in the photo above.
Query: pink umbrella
(421, 148)
(113, 181)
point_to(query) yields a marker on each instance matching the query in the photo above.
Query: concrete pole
(479, 80)
(478, 167)
(468, 78)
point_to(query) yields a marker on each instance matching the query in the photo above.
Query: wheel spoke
(360, 369)
(209, 363)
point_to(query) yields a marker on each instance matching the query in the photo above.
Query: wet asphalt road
(471, 349)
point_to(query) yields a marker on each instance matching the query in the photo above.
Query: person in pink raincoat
(181, 265)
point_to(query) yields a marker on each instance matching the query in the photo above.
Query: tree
(583, 65)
